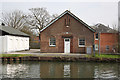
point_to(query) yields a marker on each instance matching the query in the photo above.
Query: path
(37, 52)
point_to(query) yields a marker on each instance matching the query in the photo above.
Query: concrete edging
(34, 58)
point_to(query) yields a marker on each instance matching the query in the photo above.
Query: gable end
(54, 20)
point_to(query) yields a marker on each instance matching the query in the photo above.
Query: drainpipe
(118, 33)
(93, 45)
(99, 43)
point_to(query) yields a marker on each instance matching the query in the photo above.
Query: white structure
(13, 42)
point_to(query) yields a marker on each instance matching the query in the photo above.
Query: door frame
(64, 44)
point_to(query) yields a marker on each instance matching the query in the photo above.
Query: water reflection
(67, 70)
(15, 71)
(106, 70)
(60, 70)
(22, 70)
(0, 71)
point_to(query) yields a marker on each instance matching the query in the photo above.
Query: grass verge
(87, 56)
(15, 55)
(103, 56)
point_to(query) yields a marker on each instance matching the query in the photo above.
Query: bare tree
(54, 16)
(39, 18)
(13, 19)
(114, 26)
(119, 24)
(27, 30)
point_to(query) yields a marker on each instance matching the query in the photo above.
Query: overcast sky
(91, 12)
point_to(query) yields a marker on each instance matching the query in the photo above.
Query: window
(107, 48)
(81, 42)
(96, 47)
(96, 36)
(69, 22)
(66, 39)
(65, 22)
(52, 41)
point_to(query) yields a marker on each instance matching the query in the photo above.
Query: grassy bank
(31, 57)
(107, 56)
(87, 56)
(104, 56)
(15, 55)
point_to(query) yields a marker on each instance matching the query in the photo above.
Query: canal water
(35, 69)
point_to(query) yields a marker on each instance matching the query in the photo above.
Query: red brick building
(67, 34)
(108, 39)
(34, 42)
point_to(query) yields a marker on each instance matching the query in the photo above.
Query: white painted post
(1, 42)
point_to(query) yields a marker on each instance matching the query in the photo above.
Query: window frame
(95, 36)
(84, 42)
(97, 48)
(107, 47)
(49, 42)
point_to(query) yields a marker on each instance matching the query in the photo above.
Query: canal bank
(35, 55)
(60, 57)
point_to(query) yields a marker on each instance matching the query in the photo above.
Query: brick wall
(58, 30)
(108, 39)
(34, 42)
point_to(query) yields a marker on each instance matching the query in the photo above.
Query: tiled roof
(103, 29)
(67, 12)
(12, 31)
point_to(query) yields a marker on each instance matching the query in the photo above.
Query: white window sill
(82, 46)
(52, 45)
(96, 39)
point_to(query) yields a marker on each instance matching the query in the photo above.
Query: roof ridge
(65, 12)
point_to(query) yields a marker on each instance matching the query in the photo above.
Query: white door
(67, 45)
